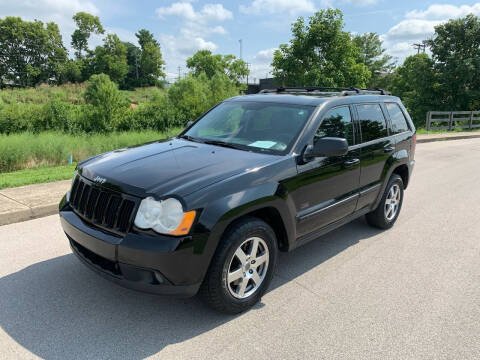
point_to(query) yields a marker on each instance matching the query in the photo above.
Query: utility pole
(179, 71)
(241, 45)
(248, 70)
(419, 47)
(136, 62)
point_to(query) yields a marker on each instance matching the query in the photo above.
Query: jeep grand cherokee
(208, 210)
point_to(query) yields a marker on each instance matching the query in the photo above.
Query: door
(326, 189)
(375, 149)
(399, 127)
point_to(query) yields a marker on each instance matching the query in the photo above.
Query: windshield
(255, 126)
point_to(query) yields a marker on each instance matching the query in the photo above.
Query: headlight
(164, 217)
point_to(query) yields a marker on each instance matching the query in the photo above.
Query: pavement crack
(18, 202)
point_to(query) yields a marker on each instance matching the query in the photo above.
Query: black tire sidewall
(394, 180)
(258, 229)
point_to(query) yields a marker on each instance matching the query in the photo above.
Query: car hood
(174, 167)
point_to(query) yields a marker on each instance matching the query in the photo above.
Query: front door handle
(351, 162)
(388, 149)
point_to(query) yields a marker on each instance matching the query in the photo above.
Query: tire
(381, 217)
(231, 287)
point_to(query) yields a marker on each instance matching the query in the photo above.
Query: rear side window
(399, 123)
(336, 123)
(372, 122)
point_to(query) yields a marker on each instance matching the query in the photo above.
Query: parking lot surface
(412, 292)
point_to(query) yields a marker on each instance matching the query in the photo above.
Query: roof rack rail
(321, 90)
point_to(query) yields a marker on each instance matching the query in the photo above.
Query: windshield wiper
(191, 138)
(224, 144)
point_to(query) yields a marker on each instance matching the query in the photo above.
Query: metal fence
(454, 119)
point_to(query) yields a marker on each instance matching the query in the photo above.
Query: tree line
(321, 53)
(32, 53)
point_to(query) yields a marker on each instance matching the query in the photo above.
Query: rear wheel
(242, 267)
(385, 215)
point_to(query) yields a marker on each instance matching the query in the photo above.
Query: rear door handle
(351, 162)
(388, 149)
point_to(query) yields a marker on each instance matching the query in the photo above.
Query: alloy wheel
(247, 268)
(392, 202)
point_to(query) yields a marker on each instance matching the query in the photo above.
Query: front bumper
(146, 262)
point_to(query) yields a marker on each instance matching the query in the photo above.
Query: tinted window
(250, 125)
(372, 122)
(399, 123)
(337, 123)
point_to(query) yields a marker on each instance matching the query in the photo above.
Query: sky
(182, 27)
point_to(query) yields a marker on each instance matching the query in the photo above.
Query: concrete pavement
(412, 292)
(31, 201)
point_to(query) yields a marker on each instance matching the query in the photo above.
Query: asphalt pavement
(412, 292)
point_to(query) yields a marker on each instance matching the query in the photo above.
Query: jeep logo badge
(99, 180)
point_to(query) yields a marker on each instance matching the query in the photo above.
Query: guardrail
(455, 119)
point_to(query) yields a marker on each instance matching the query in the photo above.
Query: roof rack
(326, 91)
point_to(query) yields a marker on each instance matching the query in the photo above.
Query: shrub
(106, 103)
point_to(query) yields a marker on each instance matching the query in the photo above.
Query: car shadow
(59, 309)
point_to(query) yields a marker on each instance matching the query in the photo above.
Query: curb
(447, 138)
(28, 214)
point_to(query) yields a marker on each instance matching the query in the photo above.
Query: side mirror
(189, 124)
(326, 147)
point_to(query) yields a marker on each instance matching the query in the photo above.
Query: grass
(28, 150)
(142, 95)
(37, 175)
(71, 93)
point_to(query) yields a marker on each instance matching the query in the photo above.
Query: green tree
(320, 53)
(145, 64)
(372, 54)
(151, 60)
(86, 25)
(455, 49)
(110, 59)
(203, 61)
(106, 103)
(133, 61)
(30, 53)
(144, 37)
(416, 83)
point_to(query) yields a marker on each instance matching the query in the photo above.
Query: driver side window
(336, 123)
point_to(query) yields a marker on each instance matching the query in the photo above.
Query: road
(412, 292)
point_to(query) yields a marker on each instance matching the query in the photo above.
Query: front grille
(102, 207)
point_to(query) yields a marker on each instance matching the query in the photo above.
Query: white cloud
(412, 29)
(197, 26)
(209, 12)
(335, 3)
(444, 11)
(265, 56)
(176, 49)
(291, 7)
(261, 64)
(419, 25)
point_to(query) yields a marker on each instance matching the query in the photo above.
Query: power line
(419, 47)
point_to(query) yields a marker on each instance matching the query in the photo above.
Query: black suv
(209, 210)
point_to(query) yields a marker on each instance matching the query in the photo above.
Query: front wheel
(242, 267)
(385, 215)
